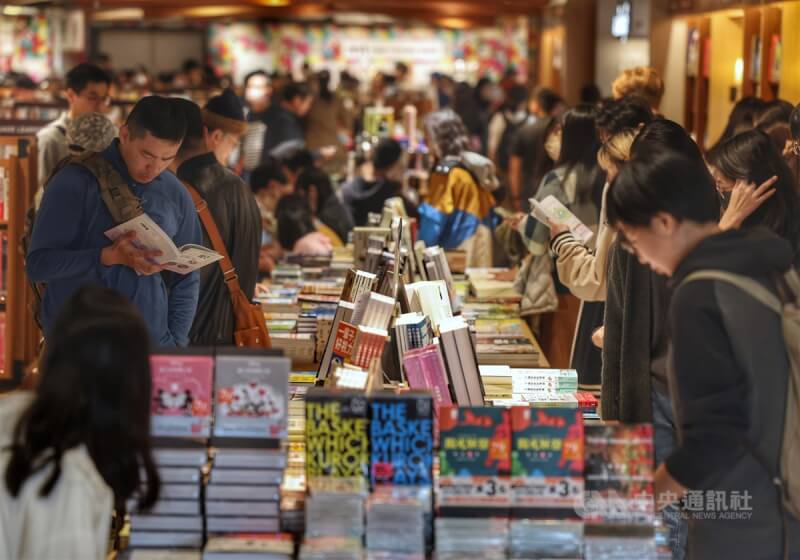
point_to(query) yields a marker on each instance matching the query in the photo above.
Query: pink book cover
(434, 371)
(182, 388)
(413, 368)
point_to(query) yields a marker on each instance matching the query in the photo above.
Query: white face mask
(553, 146)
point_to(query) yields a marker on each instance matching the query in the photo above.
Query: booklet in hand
(151, 237)
(551, 211)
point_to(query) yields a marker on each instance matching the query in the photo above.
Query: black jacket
(635, 339)
(236, 215)
(283, 128)
(728, 375)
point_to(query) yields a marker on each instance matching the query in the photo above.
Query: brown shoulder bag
(251, 327)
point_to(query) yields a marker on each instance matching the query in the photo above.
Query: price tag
(485, 491)
(547, 492)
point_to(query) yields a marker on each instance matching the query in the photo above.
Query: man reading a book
(69, 247)
(232, 206)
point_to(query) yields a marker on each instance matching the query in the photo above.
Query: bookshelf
(19, 333)
(697, 78)
(763, 41)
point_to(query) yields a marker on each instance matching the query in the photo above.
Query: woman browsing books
(73, 449)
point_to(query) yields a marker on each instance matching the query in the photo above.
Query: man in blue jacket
(69, 248)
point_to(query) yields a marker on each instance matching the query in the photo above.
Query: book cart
(19, 333)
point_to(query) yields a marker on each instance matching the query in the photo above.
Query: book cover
(181, 405)
(435, 375)
(401, 439)
(252, 394)
(618, 474)
(242, 509)
(337, 434)
(547, 458)
(474, 457)
(343, 344)
(166, 539)
(232, 492)
(279, 543)
(216, 524)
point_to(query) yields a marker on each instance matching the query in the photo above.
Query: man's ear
(664, 224)
(71, 95)
(124, 134)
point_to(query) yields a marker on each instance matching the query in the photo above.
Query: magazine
(551, 211)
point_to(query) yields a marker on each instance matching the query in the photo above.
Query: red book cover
(182, 387)
(433, 369)
(343, 343)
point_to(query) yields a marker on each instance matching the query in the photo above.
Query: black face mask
(725, 197)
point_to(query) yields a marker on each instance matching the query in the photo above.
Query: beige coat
(579, 268)
(72, 523)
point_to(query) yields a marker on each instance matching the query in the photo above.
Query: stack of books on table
(620, 506)
(401, 473)
(472, 538)
(588, 404)
(472, 311)
(251, 407)
(486, 287)
(181, 424)
(278, 546)
(160, 554)
(511, 350)
(526, 381)
(547, 483)
(459, 354)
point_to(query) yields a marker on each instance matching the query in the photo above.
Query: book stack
(473, 311)
(537, 381)
(401, 472)
(298, 347)
(511, 350)
(159, 554)
(588, 404)
(497, 382)
(425, 371)
(332, 548)
(462, 365)
(531, 538)
(250, 415)
(472, 538)
(474, 462)
(487, 288)
(279, 546)
(335, 508)
(363, 239)
(438, 268)
(181, 425)
(293, 488)
(619, 505)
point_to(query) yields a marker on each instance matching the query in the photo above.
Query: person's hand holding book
(125, 252)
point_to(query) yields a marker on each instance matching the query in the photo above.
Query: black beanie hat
(387, 153)
(225, 112)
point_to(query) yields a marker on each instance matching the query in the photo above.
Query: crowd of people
(694, 355)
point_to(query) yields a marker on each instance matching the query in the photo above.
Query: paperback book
(546, 462)
(474, 459)
(401, 439)
(181, 405)
(252, 393)
(337, 434)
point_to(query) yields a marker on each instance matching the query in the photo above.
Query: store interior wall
(727, 37)
(613, 55)
(790, 80)
(159, 50)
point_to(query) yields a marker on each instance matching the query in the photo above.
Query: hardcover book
(181, 405)
(337, 434)
(474, 457)
(252, 394)
(401, 439)
(547, 461)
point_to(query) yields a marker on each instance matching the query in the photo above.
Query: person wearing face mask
(362, 196)
(756, 186)
(257, 98)
(577, 182)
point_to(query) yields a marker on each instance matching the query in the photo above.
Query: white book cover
(150, 236)
(551, 211)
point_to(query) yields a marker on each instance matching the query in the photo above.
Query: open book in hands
(151, 237)
(550, 212)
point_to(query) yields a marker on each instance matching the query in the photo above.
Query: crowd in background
(705, 364)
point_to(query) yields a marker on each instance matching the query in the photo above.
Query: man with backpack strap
(233, 210)
(82, 201)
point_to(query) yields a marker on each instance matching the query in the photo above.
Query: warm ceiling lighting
(274, 3)
(19, 11)
(454, 23)
(213, 11)
(119, 14)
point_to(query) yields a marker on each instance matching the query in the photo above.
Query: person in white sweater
(73, 448)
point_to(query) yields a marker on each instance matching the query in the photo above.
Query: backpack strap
(122, 204)
(747, 285)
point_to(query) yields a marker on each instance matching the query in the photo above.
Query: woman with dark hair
(742, 118)
(728, 364)
(774, 121)
(331, 216)
(577, 182)
(324, 122)
(79, 446)
(751, 158)
(297, 232)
